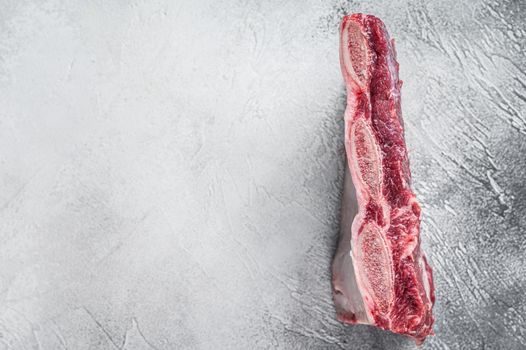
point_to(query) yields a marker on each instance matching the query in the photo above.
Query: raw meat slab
(380, 274)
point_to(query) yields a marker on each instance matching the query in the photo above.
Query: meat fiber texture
(171, 172)
(380, 274)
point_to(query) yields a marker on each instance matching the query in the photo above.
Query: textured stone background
(171, 171)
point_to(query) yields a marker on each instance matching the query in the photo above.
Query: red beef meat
(380, 273)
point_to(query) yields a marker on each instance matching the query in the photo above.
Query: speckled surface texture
(171, 172)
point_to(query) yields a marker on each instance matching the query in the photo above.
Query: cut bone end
(376, 266)
(354, 53)
(366, 157)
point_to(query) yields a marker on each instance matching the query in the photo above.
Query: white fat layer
(351, 298)
(425, 277)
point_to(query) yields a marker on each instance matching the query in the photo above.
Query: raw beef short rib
(380, 274)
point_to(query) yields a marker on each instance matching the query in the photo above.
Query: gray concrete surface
(171, 171)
